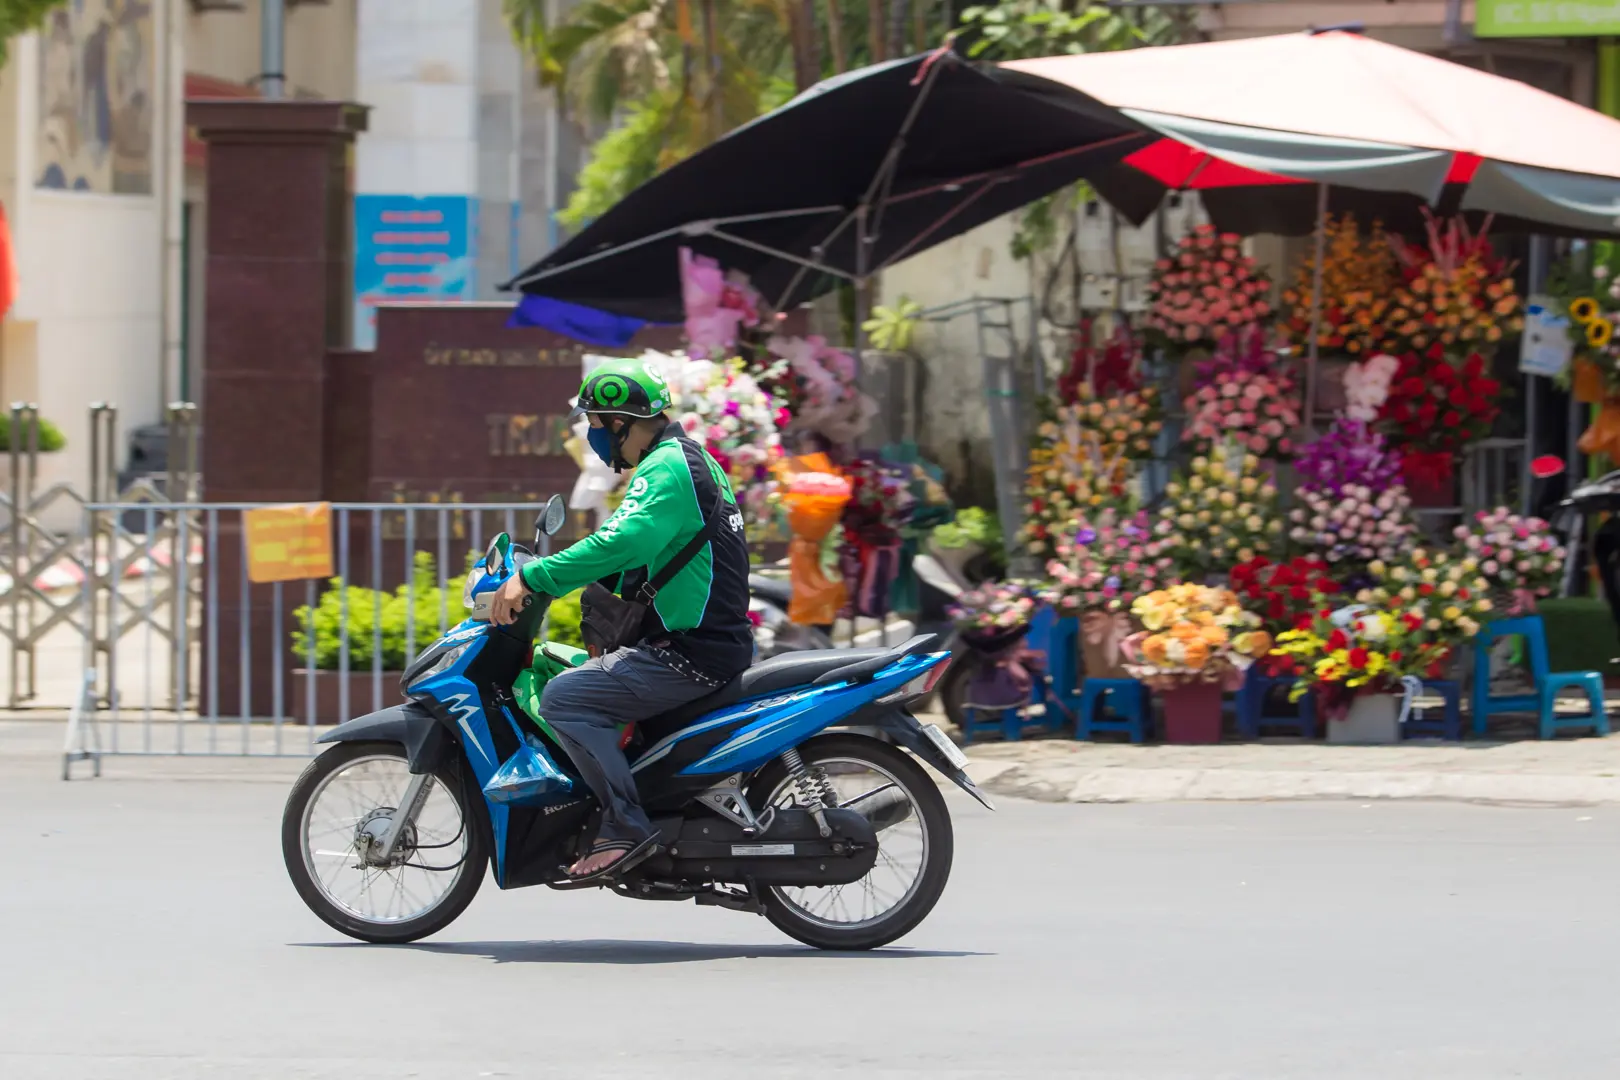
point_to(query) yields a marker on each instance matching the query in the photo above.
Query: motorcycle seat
(767, 677)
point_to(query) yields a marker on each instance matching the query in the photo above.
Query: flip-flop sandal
(634, 855)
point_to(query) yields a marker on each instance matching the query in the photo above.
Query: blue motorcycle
(841, 840)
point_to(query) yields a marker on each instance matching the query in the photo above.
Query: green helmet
(624, 387)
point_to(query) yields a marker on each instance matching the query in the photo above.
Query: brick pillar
(279, 295)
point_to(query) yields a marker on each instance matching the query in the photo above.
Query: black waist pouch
(608, 622)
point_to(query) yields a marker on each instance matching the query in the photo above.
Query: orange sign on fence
(289, 543)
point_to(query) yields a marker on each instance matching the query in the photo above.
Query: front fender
(411, 725)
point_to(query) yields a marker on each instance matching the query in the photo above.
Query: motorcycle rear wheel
(310, 864)
(772, 785)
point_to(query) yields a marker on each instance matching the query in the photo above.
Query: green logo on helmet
(611, 391)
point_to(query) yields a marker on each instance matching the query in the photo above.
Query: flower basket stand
(1112, 705)
(1542, 701)
(1253, 698)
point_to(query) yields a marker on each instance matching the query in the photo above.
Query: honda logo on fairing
(464, 711)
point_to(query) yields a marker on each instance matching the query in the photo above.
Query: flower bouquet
(1109, 430)
(1282, 593)
(1445, 590)
(1455, 292)
(814, 494)
(1100, 569)
(1206, 289)
(879, 508)
(1195, 641)
(1354, 661)
(1436, 406)
(1223, 512)
(995, 614)
(1519, 558)
(1366, 386)
(719, 306)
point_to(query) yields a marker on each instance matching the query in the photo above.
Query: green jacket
(703, 611)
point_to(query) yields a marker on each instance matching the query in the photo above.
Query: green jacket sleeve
(657, 509)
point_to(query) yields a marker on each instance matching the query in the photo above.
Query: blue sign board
(410, 248)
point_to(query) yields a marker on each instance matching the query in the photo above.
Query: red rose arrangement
(1436, 407)
(1282, 594)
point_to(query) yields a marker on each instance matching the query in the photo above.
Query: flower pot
(1372, 719)
(1192, 713)
(329, 694)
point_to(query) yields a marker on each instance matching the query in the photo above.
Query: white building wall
(88, 323)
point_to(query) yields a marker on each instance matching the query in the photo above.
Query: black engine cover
(708, 848)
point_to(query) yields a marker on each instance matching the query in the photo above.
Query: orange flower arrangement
(1456, 292)
(1358, 276)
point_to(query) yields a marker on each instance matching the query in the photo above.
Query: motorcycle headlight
(444, 663)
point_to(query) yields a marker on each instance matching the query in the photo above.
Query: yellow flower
(1599, 332)
(1376, 568)
(1452, 613)
(1583, 310)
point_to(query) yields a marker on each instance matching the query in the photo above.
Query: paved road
(147, 931)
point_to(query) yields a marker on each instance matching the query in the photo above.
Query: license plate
(942, 742)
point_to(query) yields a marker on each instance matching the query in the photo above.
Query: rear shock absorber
(811, 790)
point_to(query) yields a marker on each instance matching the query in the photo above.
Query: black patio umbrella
(855, 174)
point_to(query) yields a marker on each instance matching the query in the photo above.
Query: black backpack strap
(648, 592)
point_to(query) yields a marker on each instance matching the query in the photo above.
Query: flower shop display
(1355, 659)
(1195, 642)
(1455, 292)
(1519, 558)
(1101, 568)
(1254, 402)
(1221, 513)
(1359, 275)
(815, 382)
(813, 494)
(1436, 406)
(1206, 289)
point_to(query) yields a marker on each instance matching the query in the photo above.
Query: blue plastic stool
(1546, 683)
(1128, 700)
(1058, 642)
(1250, 706)
(1448, 725)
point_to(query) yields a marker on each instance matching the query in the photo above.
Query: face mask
(602, 443)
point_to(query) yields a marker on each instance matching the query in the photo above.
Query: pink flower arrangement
(1206, 289)
(1106, 564)
(1518, 556)
(1353, 524)
(1259, 411)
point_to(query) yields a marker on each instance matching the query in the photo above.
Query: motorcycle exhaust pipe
(885, 808)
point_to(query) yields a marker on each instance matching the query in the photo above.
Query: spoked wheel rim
(343, 822)
(902, 858)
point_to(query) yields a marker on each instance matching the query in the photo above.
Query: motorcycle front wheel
(914, 850)
(331, 836)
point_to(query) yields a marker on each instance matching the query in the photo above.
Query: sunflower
(1583, 310)
(1599, 332)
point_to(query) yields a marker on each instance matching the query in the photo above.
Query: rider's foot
(608, 855)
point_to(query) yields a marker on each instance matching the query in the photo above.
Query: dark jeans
(585, 707)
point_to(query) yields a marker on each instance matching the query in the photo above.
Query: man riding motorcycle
(695, 635)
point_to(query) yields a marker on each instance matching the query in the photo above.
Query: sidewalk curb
(1121, 785)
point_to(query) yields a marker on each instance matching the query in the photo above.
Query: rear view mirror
(552, 518)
